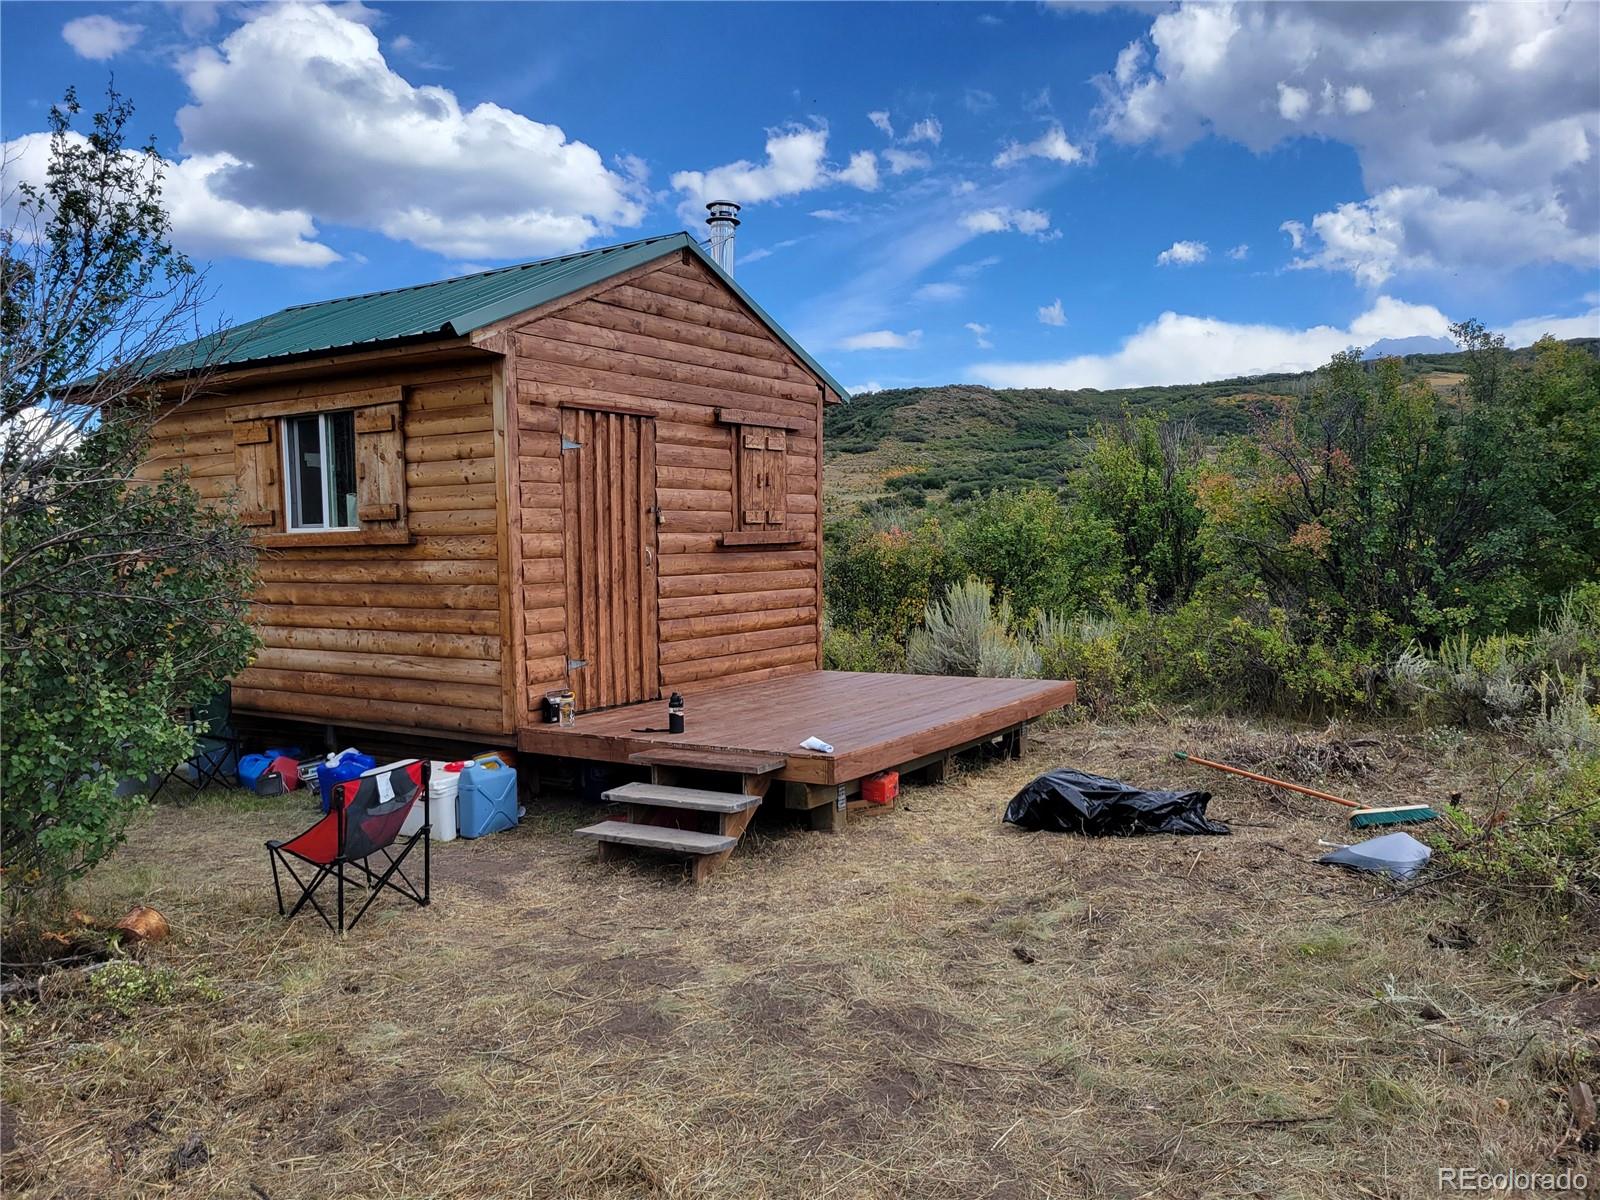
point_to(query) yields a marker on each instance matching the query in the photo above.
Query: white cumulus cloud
(880, 118)
(926, 130)
(1177, 348)
(862, 172)
(1030, 221)
(1052, 144)
(1052, 314)
(296, 114)
(882, 339)
(901, 161)
(1477, 125)
(204, 223)
(797, 161)
(99, 37)
(1183, 254)
(1530, 329)
(980, 333)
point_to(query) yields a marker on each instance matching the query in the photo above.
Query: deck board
(873, 721)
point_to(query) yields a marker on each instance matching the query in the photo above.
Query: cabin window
(320, 471)
(763, 483)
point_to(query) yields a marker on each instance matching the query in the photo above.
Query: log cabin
(599, 472)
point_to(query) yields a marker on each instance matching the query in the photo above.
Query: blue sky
(1016, 194)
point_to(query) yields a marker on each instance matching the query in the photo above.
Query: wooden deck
(872, 721)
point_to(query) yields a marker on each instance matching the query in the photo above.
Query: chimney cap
(722, 210)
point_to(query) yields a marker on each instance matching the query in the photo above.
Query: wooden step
(734, 762)
(655, 837)
(659, 795)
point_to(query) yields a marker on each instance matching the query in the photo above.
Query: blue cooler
(487, 801)
(349, 766)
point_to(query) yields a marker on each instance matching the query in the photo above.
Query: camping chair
(364, 819)
(216, 745)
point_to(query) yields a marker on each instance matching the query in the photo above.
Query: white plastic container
(444, 781)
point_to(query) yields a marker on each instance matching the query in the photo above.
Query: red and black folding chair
(363, 820)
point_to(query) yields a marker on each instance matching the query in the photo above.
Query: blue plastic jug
(487, 801)
(351, 766)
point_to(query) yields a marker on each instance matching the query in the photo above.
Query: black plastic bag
(1068, 801)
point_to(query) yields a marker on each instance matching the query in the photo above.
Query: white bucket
(442, 788)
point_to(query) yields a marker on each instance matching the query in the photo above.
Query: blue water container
(351, 766)
(487, 801)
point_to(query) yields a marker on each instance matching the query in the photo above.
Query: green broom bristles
(1401, 814)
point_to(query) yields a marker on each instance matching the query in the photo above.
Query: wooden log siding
(407, 635)
(675, 345)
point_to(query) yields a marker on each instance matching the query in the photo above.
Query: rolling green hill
(915, 444)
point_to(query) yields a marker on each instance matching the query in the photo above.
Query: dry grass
(932, 1005)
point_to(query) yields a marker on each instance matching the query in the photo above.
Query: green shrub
(125, 986)
(882, 572)
(848, 650)
(967, 633)
(123, 602)
(1038, 554)
(1539, 683)
(1548, 847)
(1094, 651)
(1230, 650)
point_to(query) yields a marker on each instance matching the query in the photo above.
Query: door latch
(568, 444)
(577, 664)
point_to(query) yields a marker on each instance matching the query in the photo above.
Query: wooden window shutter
(380, 467)
(255, 464)
(762, 481)
(777, 477)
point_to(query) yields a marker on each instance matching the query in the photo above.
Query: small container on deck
(881, 788)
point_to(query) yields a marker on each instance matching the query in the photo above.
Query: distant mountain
(912, 445)
(1400, 347)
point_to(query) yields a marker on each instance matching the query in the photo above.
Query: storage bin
(348, 764)
(881, 788)
(487, 802)
(443, 779)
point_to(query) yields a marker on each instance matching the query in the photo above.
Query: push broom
(1362, 818)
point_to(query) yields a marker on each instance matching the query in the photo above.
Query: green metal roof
(445, 307)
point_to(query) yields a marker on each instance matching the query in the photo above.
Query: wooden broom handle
(1293, 787)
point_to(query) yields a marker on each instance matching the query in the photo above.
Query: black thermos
(675, 713)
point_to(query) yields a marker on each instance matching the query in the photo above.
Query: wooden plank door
(608, 481)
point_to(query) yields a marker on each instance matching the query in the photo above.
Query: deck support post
(827, 811)
(1017, 741)
(934, 773)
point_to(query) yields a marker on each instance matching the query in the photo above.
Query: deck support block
(1017, 741)
(827, 812)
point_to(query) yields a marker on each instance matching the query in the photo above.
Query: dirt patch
(400, 1102)
(767, 1004)
(913, 1026)
(628, 1022)
(631, 974)
(1575, 1010)
(893, 1091)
